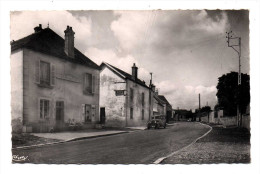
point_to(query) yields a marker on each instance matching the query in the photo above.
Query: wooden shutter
(52, 75)
(37, 71)
(93, 84)
(83, 108)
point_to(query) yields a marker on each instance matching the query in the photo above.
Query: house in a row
(125, 100)
(52, 83)
(161, 106)
(167, 107)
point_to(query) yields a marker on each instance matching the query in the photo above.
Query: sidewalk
(69, 136)
(26, 140)
(221, 145)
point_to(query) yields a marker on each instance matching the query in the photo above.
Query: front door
(87, 113)
(102, 115)
(59, 114)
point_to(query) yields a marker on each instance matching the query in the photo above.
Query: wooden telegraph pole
(237, 48)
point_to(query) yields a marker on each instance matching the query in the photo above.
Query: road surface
(140, 147)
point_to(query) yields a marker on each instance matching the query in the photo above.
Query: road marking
(159, 160)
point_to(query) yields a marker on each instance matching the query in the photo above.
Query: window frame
(143, 99)
(91, 88)
(49, 109)
(44, 81)
(39, 70)
(131, 95)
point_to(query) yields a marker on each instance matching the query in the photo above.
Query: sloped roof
(123, 74)
(160, 102)
(48, 42)
(164, 99)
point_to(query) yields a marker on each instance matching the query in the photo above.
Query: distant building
(182, 114)
(125, 100)
(168, 108)
(159, 106)
(52, 83)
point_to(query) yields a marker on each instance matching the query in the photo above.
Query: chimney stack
(69, 42)
(38, 28)
(156, 91)
(134, 72)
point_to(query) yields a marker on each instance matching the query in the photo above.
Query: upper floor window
(143, 99)
(44, 73)
(89, 83)
(131, 95)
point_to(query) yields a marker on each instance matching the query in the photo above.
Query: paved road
(140, 147)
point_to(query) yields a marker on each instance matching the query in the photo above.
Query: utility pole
(199, 108)
(150, 96)
(237, 48)
(199, 101)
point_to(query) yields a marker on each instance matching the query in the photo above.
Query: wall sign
(120, 92)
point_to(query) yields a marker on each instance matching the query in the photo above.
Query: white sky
(185, 49)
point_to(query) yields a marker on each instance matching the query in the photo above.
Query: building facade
(168, 108)
(125, 100)
(159, 107)
(53, 85)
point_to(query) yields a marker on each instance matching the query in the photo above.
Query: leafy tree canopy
(205, 109)
(230, 94)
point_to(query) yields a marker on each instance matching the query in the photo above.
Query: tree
(205, 109)
(229, 95)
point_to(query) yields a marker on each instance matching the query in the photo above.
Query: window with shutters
(44, 73)
(89, 83)
(44, 108)
(142, 99)
(131, 95)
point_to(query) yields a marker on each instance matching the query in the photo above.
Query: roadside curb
(70, 140)
(159, 160)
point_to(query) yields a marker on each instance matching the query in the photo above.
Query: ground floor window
(44, 108)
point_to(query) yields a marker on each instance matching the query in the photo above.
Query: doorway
(59, 114)
(102, 115)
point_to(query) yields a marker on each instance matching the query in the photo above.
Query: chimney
(156, 92)
(134, 72)
(69, 42)
(152, 87)
(38, 28)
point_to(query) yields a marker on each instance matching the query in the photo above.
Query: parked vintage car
(157, 122)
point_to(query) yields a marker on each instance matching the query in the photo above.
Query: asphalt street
(139, 147)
